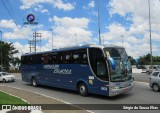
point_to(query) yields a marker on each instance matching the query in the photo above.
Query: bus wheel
(34, 82)
(83, 89)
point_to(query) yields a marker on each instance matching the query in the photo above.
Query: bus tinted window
(80, 57)
(83, 56)
(38, 59)
(54, 58)
(76, 57)
(66, 57)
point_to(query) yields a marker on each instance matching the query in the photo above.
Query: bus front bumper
(114, 92)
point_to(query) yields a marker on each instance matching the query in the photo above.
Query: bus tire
(34, 82)
(83, 90)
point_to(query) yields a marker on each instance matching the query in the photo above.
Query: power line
(9, 12)
(12, 11)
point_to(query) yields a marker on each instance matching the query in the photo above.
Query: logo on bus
(57, 70)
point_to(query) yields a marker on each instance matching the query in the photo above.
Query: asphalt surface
(141, 94)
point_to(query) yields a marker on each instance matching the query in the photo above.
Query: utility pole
(30, 42)
(1, 52)
(35, 40)
(150, 33)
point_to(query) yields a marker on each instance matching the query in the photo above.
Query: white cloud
(71, 22)
(21, 48)
(56, 3)
(17, 31)
(60, 5)
(136, 36)
(91, 4)
(7, 24)
(67, 30)
(45, 11)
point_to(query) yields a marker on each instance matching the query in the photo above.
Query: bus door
(99, 69)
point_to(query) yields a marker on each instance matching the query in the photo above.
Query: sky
(74, 22)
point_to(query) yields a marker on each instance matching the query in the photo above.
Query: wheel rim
(34, 82)
(82, 89)
(155, 87)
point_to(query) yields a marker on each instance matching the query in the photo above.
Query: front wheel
(83, 90)
(156, 87)
(34, 82)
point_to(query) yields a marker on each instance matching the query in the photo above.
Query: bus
(97, 69)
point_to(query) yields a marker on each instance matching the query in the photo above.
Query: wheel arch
(79, 82)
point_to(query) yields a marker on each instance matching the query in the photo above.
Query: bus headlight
(115, 87)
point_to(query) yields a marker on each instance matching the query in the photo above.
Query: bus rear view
(96, 69)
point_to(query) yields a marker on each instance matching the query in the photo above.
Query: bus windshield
(116, 53)
(123, 69)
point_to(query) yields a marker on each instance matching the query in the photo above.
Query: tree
(145, 60)
(132, 60)
(16, 62)
(8, 50)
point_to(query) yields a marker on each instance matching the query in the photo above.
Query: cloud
(136, 35)
(91, 4)
(7, 24)
(26, 4)
(39, 8)
(17, 31)
(68, 30)
(45, 11)
(71, 22)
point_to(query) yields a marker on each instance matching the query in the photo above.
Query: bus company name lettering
(57, 70)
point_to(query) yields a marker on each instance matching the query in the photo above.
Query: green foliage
(132, 61)
(8, 50)
(16, 61)
(146, 60)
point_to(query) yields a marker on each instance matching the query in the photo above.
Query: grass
(8, 99)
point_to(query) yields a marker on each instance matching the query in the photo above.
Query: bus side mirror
(112, 63)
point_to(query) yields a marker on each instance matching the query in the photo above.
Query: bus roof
(75, 48)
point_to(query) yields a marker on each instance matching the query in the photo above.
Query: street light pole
(122, 40)
(150, 33)
(52, 37)
(99, 22)
(1, 52)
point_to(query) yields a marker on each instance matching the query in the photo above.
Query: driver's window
(98, 63)
(101, 68)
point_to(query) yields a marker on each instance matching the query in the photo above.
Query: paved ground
(141, 94)
(34, 98)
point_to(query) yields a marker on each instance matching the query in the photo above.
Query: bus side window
(30, 59)
(46, 57)
(67, 57)
(76, 57)
(56, 58)
(84, 58)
